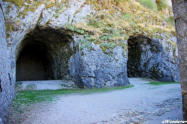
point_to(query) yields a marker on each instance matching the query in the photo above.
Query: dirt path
(141, 104)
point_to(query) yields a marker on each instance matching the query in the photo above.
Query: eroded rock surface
(69, 59)
(97, 60)
(73, 55)
(6, 80)
(100, 70)
(149, 58)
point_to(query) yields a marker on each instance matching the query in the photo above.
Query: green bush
(171, 20)
(161, 4)
(151, 4)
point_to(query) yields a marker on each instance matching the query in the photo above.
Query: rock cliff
(87, 41)
(93, 43)
(6, 78)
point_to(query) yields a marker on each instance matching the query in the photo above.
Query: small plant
(70, 27)
(161, 4)
(18, 86)
(31, 87)
(171, 20)
(127, 16)
(80, 31)
(149, 4)
(107, 46)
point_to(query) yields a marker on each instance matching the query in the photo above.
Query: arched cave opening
(145, 59)
(134, 57)
(34, 63)
(44, 54)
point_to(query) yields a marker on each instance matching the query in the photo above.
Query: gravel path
(143, 103)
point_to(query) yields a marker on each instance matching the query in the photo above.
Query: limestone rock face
(1, 122)
(97, 69)
(149, 58)
(180, 13)
(72, 56)
(6, 80)
(69, 55)
(88, 68)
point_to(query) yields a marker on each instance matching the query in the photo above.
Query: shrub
(171, 21)
(151, 4)
(161, 4)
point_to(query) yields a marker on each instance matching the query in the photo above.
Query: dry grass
(116, 20)
(113, 21)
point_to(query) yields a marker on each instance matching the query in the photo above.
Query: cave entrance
(134, 56)
(148, 59)
(44, 54)
(142, 57)
(34, 63)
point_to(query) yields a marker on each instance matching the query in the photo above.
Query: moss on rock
(18, 3)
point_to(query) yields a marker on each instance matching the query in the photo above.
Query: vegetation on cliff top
(114, 20)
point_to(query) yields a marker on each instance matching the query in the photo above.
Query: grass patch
(171, 20)
(151, 4)
(30, 97)
(162, 83)
(161, 4)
